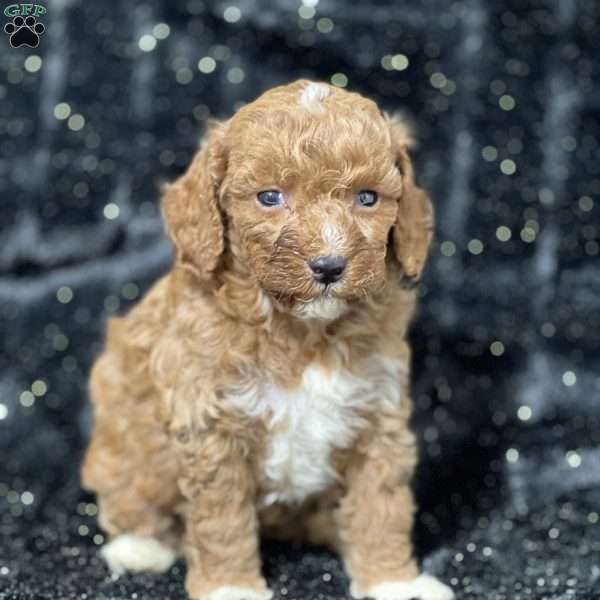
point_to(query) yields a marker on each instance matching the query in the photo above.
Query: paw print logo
(24, 32)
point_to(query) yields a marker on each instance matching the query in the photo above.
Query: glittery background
(505, 96)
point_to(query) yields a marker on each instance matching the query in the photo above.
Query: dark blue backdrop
(505, 96)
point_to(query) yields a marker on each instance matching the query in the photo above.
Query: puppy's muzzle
(328, 269)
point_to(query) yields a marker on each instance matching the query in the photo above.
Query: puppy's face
(308, 182)
(311, 193)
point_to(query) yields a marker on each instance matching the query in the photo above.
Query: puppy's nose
(328, 269)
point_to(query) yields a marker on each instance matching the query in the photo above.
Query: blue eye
(367, 198)
(270, 197)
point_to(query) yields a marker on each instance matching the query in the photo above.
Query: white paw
(424, 587)
(136, 553)
(237, 593)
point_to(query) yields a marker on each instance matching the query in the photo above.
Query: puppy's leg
(376, 516)
(221, 539)
(129, 465)
(321, 525)
(142, 537)
(314, 523)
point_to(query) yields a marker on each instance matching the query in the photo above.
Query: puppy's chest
(305, 424)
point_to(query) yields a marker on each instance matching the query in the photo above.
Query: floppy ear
(413, 230)
(191, 211)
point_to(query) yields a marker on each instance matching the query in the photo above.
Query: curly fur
(241, 396)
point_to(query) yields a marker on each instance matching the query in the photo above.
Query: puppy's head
(313, 189)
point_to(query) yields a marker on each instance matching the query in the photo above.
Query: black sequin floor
(550, 551)
(505, 97)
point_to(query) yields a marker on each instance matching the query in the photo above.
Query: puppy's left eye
(367, 198)
(270, 197)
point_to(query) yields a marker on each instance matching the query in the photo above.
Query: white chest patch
(307, 423)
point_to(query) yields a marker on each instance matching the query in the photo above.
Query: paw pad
(24, 32)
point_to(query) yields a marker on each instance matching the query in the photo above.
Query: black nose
(327, 269)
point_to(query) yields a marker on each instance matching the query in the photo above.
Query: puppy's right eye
(270, 197)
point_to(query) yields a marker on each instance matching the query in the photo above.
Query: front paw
(424, 587)
(228, 592)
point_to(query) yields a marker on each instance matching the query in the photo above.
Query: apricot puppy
(262, 385)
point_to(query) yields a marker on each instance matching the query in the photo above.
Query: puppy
(262, 385)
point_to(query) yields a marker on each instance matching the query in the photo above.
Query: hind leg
(141, 537)
(131, 469)
(313, 523)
